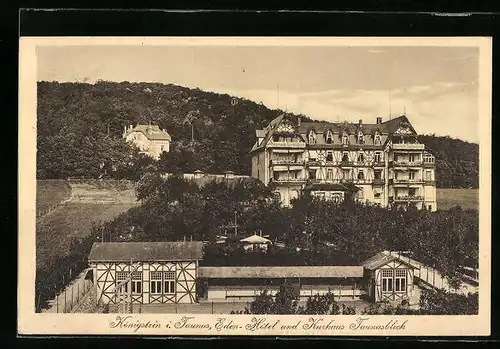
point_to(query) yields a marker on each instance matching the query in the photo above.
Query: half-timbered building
(148, 272)
(384, 161)
(390, 279)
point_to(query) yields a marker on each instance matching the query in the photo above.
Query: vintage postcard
(254, 186)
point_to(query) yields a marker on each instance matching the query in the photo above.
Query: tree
(286, 299)
(263, 304)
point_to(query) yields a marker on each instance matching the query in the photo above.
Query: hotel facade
(379, 163)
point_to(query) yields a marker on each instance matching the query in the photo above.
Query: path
(71, 295)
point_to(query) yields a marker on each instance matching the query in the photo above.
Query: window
(312, 137)
(377, 157)
(312, 174)
(411, 175)
(329, 174)
(376, 138)
(169, 282)
(428, 175)
(329, 137)
(377, 195)
(360, 157)
(360, 137)
(346, 174)
(412, 192)
(345, 156)
(400, 280)
(120, 277)
(387, 276)
(329, 156)
(136, 282)
(378, 174)
(430, 207)
(277, 196)
(361, 175)
(156, 282)
(345, 139)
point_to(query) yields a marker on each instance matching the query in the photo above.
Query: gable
(285, 126)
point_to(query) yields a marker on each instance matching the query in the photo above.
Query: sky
(436, 87)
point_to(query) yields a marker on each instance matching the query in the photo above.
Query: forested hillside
(80, 127)
(457, 162)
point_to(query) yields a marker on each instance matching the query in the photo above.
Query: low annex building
(157, 272)
(170, 272)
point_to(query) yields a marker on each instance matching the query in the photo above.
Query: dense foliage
(79, 130)
(432, 302)
(314, 232)
(80, 127)
(51, 279)
(457, 162)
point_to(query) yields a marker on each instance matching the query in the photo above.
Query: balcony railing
(429, 164)
(379, 181)
(408, 146)
(288, 180)
(278, 144)
(405, 180)
(346, 163)
(286, 162)
(406, 163)
(406, 198)
(429, 182)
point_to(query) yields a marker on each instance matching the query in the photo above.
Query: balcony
(346, 163)
(313, 163)
(406, 198)
(405, 163)
(430, 182)
(286, 162)
(378, 181)
(405, 181)
(429, 164)
(277, 144)
(283, 180)
(378, 163)
(408, 146)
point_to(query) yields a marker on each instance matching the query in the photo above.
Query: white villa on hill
(150, 139)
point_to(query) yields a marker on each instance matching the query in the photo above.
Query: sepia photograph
(214, 185)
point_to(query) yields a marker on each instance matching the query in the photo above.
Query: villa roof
(146, 251)
(152, 132)
(281, 272)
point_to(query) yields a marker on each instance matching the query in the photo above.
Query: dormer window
(329, 137)
(345, 138)
(312, 137)
(360, 137)
(376, 138)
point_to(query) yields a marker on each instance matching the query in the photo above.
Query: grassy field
(466, 198)
(55, 231)
(50, 193)
(74, 208)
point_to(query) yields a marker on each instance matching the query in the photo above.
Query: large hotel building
(381, 163)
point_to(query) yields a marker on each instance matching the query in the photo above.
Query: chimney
(379, 120)
(360, 122)
(298, 120)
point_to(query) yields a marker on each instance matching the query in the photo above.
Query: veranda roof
(281, 272)
(381, 259)
(256, 239)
